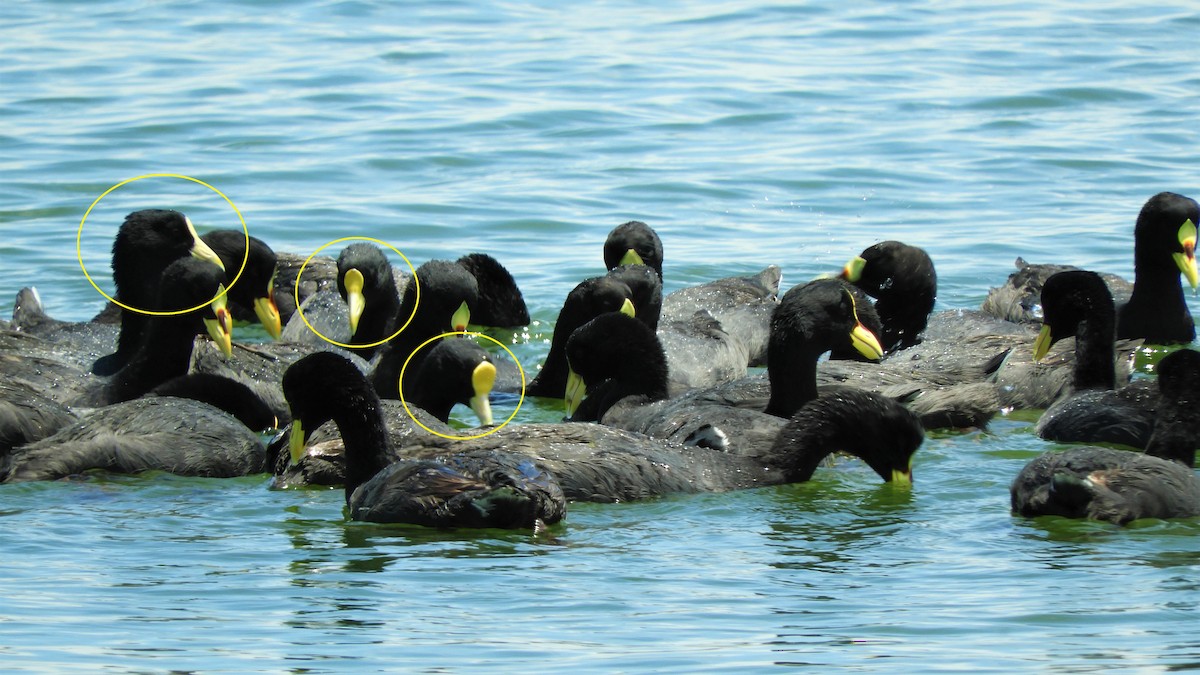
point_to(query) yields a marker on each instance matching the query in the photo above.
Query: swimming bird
(448, 296)
(589, 299)
(1164, 242)
(27, 416)
(165, 348)
(601, 464)
(902, 280)
(176, 435)
(1118, 485)
(162, 353)
(1077, 303)
(146, 243)
(492, 489)
(809, 320)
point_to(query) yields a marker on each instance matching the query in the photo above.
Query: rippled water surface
(746, 133)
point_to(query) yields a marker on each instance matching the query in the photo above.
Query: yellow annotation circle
(417, 285)
(464, 334)
(224, 289)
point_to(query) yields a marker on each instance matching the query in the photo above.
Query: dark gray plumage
(176, 435)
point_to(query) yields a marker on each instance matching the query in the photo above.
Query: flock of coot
(369, 360)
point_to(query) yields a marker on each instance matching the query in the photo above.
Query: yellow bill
(221, 328)
(576, 390)
(1041, 346)
(201, 250)
(853, 270)
(483, 378)
(296, 441)
(628, 309)
(461, 317)
(268, 313)
(353, 281)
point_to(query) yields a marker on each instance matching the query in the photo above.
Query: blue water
(747, 133)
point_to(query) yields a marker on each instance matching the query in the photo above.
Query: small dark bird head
(320, 386)
(818, 316)
(1069, 299)
(456, 370)
(145, 244)
(364, 277)
(190, 283)
(1167, 226)
(633, 243)
(447, 296)
(872, 427)
(902, 280)
(618, 352)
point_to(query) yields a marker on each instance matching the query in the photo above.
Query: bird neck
(792, 373)
(359, 419)
(799, 450)
(903, 319)
(1095, 366)
(163, 353)
(551, 380)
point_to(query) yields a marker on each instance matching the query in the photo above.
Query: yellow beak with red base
(268, 313)
(220, 328)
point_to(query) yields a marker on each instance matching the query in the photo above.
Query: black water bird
(448, 295)
(1119, 485)
(1164, 243)
(589, 299)
(1078, 304)
(601, 464)
(902, 280)
(493, 489)
(175, 435)
(146, 243)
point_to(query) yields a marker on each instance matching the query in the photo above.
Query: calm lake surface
(747, 133)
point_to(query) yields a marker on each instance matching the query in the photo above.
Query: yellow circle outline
(296, 293)
(464, 334)
(223, 291)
